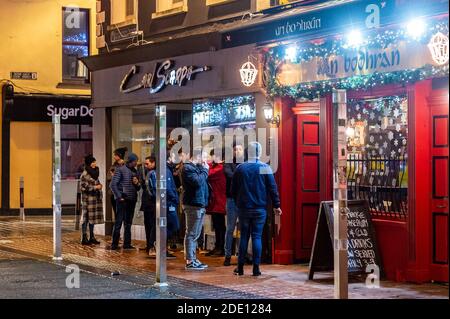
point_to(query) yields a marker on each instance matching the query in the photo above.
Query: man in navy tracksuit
(125, 185)
(252, 185)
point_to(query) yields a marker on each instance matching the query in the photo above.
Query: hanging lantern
(439, 48)
(248, 73)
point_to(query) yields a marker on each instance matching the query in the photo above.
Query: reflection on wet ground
(33, 238)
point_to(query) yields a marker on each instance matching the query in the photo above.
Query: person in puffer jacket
(125, 185)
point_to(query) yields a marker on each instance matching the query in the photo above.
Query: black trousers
(124, 215)
(150, 226)
(113, 205)
(218, 221)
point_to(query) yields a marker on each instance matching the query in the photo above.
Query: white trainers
(152, 253)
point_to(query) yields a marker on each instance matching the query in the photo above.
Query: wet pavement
(31, 242)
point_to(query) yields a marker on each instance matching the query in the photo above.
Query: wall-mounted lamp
(268, 114)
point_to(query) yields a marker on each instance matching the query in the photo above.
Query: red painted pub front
(397, 119)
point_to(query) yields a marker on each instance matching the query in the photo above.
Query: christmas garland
(311, 90)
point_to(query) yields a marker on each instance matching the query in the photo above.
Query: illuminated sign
(164, 75)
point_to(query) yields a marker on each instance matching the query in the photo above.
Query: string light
(310, 90)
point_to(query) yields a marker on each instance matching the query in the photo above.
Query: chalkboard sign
(362, 246)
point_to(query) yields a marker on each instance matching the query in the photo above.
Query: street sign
(24, 76)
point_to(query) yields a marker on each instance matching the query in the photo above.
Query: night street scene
(224, 157)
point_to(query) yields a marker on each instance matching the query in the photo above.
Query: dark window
(75, 44)
(76, 143)
(130, 8)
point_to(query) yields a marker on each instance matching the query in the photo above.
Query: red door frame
(439, 123)
(307, 197)
(405, 245)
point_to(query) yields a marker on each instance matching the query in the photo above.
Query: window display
(377, 140)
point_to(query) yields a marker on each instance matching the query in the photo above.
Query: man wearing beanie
(119, 155)
(125, 185)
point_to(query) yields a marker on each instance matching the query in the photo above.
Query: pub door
(307, 177)
(439, 186)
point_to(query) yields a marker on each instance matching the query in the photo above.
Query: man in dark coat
(252, 186)
(125, 185)
(148, 203)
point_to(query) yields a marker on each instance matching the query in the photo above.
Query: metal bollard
(22, 198)
(78, 207)
(57, 254)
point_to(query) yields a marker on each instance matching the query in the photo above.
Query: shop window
(224, 112)
(133, 127)
(76, 143)
(377, 139)
(265, 4)
(122, 12)
(217, 2)
(169, 7)
(75, 44)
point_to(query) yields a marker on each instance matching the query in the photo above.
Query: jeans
(232, 215)
(251, 224)
(125, 214)
(173, 224)
(194, 224)
(150, 226)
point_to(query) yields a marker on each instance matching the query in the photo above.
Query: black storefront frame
(9, 106)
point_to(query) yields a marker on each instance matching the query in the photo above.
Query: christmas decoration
(221, 112)
(337, 46)
(248, 73)
(439, 48)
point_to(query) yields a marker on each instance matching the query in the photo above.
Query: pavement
(26, 262)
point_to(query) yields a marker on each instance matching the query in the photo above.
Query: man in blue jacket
(194, 178)
(149, 205)
(125, 185)
(252, 185)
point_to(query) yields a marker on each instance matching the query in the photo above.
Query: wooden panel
(440, 131)
(440, 177)
(440, 238)
(310, 133)
(309, 218)
(311, 172)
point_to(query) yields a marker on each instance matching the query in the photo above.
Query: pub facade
(391, 59)
(394, 71)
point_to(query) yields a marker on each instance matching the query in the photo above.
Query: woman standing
(91, 200)
(217, 204)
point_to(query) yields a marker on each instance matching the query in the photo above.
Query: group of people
(232, 191)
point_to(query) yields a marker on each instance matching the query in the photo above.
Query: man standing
(173, 224)
(148, 205)
(232, 212)
(125, 185)
(119, 155)
(252, 185)
(194, 178)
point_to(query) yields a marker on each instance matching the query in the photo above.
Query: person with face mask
(91, 200)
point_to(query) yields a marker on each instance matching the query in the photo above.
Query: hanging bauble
(439, 48)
